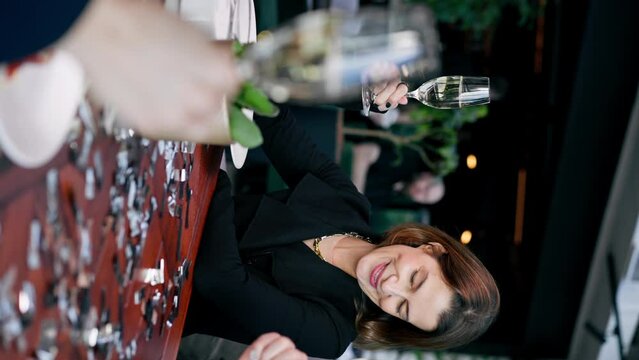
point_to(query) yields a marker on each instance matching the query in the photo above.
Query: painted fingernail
(388, 105)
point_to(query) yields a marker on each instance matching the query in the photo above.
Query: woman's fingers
(376, 90)
(292, 354)
(384, 94)
(391, 95)
(272, 346)
(276, 348)
(254, 351)
(388, 90)
(399, 95)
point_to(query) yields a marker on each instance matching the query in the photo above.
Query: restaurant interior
(542, 185)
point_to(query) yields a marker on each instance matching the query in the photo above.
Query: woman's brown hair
(474, 305)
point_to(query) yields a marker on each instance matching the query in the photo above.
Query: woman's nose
(392, 286)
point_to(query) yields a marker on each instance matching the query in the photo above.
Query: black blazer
(27, 26)
(295, 293)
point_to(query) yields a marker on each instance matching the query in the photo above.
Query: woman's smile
(402, 279)
(376, 274)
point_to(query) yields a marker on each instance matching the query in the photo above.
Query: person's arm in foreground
(165, 79)
(163, 76)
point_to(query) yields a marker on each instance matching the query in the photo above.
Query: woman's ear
(434, 248)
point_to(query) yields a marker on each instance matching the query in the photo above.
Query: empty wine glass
(324, 56)
(452, 92)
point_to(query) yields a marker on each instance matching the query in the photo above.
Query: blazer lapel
(313, 209)
(275, 224)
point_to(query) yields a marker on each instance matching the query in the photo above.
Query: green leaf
(399, 156)
(243, 130)
(238, 48)
(253, 98)
(482, 111)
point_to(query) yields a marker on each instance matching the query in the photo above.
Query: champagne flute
(453, 92)
(324, 56)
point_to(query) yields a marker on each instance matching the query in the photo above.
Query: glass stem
(413, 94)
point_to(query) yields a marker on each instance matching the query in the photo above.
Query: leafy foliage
(432, 134)
(437, 131)
(478, 15)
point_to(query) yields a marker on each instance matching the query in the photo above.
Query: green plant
(478, 15)
(431, 133)
(438, 130)
(243, 130)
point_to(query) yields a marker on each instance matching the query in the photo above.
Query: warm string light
(466, 236)
(471, 161)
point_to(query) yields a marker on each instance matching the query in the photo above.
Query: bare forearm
(164, 77)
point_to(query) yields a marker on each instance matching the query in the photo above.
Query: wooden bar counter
(97, 247)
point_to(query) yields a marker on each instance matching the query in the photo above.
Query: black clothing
(28, 26)
(270, 280)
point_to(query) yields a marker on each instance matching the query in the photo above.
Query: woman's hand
(272, 346)
(390, 92)
(164, 78)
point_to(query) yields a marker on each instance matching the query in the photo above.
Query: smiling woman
(297, 262)
(446, 285)
(407, 283)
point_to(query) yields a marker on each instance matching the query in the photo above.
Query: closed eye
(414, 278)
(423, 281)
(401, 305)
(406, 310)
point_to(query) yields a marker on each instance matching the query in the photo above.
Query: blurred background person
(383, 182)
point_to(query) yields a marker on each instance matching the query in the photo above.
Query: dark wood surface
(85, 267)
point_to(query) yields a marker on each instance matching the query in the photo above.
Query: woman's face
(426, 189)
(406, 282)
